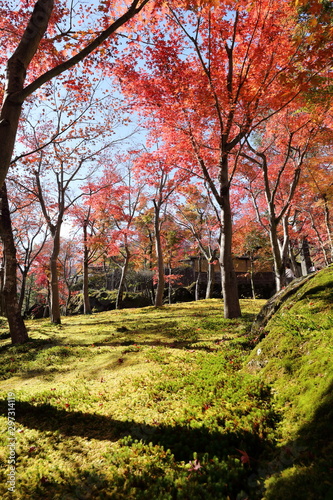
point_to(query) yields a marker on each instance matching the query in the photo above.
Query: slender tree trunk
(228, 275)
(328, 225)
(17, 327)
(68, 300)
(210, 278)
(304, 251)
(197, 282)
(106, 275)
(23, 288)
(27, 299)
(169, 285)
(86, 300)
(47, 307)
(150, 267)
(160, 262)
(293, 263)
(2, 302)
(55, 298)
(197, 287)
(277, 260)
(279, 250)
(124, 269)
(251, 277)
(321, 242)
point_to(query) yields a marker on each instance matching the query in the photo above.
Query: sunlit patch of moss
(83, 386)
(156, 403)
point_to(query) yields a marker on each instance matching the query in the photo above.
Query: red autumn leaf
(245, 459)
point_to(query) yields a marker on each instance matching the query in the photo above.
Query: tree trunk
(2, 302)
(55, 298)
(68, 300)
(15, 75)
(304, 256)
(197, 287)
(17, 327)
(160, 262)
(228, 275)
(293, 263)
(150, 267)
(27, 298)
(251, 277)
(16, 70)
(321, 242)
(279, 249)
(152, 291)
(86, 300)
(197, 282)
(124, 269)
(169, 285)
(277, 260)
(328, 225)
(23, 288)
(210, 278)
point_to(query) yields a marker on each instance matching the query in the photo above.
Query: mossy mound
(296, 359)
(180, 294)
(105, 300)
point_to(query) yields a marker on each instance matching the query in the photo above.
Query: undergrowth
(174, 403)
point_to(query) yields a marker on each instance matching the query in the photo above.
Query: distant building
(263, 280)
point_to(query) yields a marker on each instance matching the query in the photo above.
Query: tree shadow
(309, 458)
(218, 450)
(321, 292)
(176, 344)
(183, 440)
(38, 344)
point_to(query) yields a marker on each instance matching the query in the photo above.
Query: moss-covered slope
(296, 359)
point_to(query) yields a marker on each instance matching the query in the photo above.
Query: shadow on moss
(306, 464)
(216, 449)
(182, 440)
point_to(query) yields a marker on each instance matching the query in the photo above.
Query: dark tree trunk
(17, 327)
(86, 300)
(15, 76)
(68, 301)
(55, 299)
(119, 302)
(228, 275)
(160, 262)
(150, 266)
(328, 225)
(278, 263)
(2, 302)
(252, 276)
(169, 285)
(27, 299)
(23, 288)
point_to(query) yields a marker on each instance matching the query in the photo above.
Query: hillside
(296, 360)
(173, 403)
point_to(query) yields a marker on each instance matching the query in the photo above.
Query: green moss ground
(296, 357)
(173, 403)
